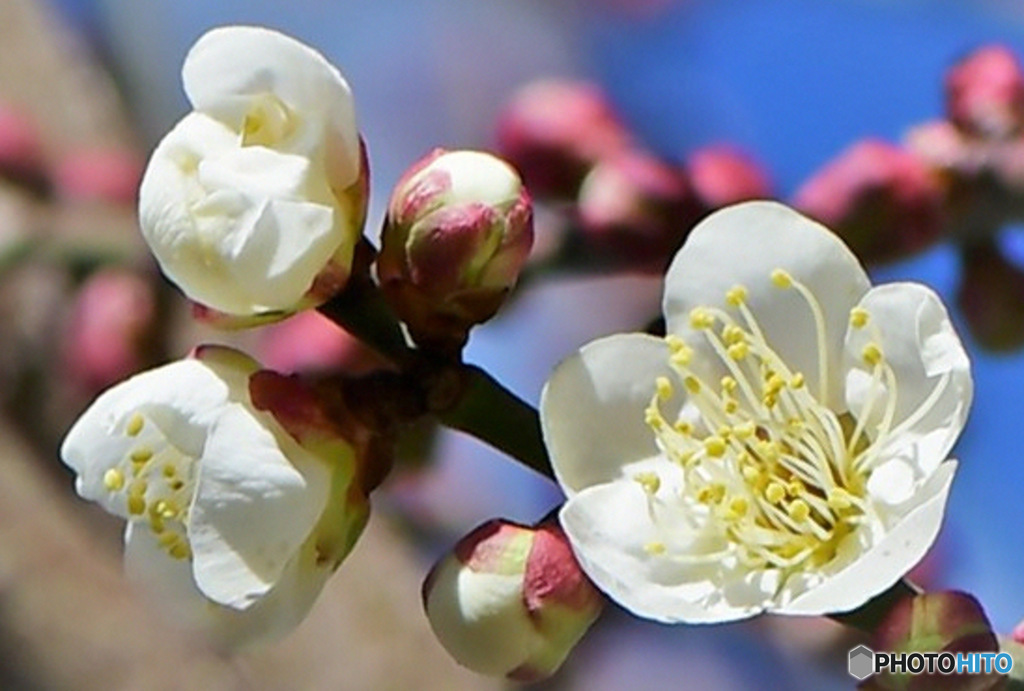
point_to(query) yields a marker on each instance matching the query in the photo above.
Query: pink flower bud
(554, 131)
(458, 231)
(110, 319)
(884, 201)
(722, 175)
(21, 149)
(1018, 633)
(109, 175)
(991, 296)
(985, 93)
(635, 210)
(510, 600)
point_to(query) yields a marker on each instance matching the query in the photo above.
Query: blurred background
(87, 87)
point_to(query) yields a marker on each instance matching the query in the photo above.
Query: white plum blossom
(232, 521)
(783, 449)
(253, 203)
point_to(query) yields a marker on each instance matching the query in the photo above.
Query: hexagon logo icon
(862, 662)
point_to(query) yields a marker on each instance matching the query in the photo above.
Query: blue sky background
(793, 81)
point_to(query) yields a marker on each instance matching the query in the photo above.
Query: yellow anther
(141, 454)
(775, 492)
(729, 384)
(738, 507)
(712, 493)
(858, 317)
(134, 426)
(653, 418)
(179, 550)
(795, 488)
(797, 381)
(156, 522)
(169, 470)
(770, 400)
(663, 387)
(774, 384)
(715, 446)
(738, 351)
(683, 427)
(649, 481)
(839, 499)
(655, 548)
(731, 406)
(781, 278)
(138, 488)
(751, 474)
(768, 450)
(161, 508)
(744, 430)
(692, 384)
(701, 318)
(168, 539)
(798, 510)
(113, 479)
(674, 343)
(736, 295)
(136, 504)
(733, 334)
(872, 354)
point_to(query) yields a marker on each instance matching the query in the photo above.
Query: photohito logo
(863, 662)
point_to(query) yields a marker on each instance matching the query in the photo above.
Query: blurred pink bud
(511, 600)
(991, 296)
(458, 231)
(635, 210)
(310, 342)
(554, 131)
(1018, 632)
(21, 149)
(722, 175)
(108, 175)
(985, 93)
(110, 320)
(884, 201)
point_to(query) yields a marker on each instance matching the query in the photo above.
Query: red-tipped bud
(554, 131)
(635, 210)
(985, 93)
(107, 175)
(722, 175)
(458, 231)
(111, 318)
(511, 600)
(884, 201)
(991, 296)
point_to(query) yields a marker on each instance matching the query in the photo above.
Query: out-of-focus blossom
(110, 319)
(722, 175)
(991, 296)
(240, 500)
(458, 231)
(554, 131)
(310, 342)
(254, 202)
(802, 470)
(985, 93)
(884, 201)
(510, 600)
(109, 175)
(635, 210)
(21, 149)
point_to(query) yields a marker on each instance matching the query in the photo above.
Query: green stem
(495, 415)
(869, 616)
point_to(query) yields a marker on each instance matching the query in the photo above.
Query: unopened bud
(985, 93)
(635, 210)
(722, 175)
(511, 600)
(881, 199)
(991, 296)
(458, 231)
(554, 131)
(21, 150)
(107, 175)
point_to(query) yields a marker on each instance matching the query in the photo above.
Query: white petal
(610, 529)
(743, 245)
(254, 507)
(182, 398)
(933, 379)
(172, 589)
(592, 408)
(885, 562)
(229, 67)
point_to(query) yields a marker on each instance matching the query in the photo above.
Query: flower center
(267, 122)
(156, 482)
(777, 479)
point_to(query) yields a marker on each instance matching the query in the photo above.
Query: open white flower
(783, 449)
(232, 521)
(254, 202)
